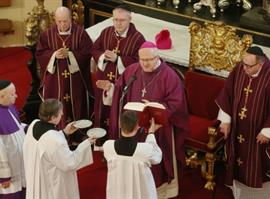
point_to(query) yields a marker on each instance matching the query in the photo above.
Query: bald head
(8, 95)
(63, 18)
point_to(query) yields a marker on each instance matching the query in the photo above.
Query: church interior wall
(17, 13)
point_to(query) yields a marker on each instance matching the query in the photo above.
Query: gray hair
(63, 10)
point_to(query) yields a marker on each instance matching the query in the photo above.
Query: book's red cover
(149, 112)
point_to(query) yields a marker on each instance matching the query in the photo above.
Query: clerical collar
(41, 127)
(123, 35)
(65, 32)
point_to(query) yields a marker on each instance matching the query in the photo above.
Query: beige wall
(18, 12)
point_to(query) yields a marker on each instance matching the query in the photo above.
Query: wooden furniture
(215, 47)
(203, 139)
(5, 3)
(6, 26)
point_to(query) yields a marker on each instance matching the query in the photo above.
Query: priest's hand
(225, 128)
(262, 139)
(92, 140)
(61, 53)
(153, 127)
(110, 56)
(103, 84)
(145, 101)
(6, 184)
(70, 128)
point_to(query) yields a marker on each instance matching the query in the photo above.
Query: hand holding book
(147, 111)
(153, 127)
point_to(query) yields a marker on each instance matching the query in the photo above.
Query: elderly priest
(157, 82)
(12, 179)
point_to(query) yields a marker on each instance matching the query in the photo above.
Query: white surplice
(130, 177)
(50, 166)
(11, 159)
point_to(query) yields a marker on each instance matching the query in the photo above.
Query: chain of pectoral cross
(64, 40)
(116, 49)
(247, 91)
(149, 83)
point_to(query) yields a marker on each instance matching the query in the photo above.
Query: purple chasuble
(163, 86)
(71, 89)
(7, 123)
(128, 52)
(247, 100)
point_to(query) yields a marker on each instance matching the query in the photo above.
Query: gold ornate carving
(37, 21)
(77, 10)
(212, 138)
(216, 45)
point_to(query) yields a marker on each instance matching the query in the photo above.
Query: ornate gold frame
(216, 45)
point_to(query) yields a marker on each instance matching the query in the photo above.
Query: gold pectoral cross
(143, 92)
(247, 90)
(116, 49)
(242, 114)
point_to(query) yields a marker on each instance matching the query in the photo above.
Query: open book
(147, 111)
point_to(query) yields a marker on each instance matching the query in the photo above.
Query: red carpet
(13, 67)
(92, 183)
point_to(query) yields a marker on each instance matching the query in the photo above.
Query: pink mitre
(148, 44)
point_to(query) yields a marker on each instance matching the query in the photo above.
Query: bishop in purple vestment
(115, 49)
(245, 115)
(63, 53)
(157, 82)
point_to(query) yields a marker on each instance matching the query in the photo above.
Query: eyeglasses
(248, 65)
(119, 20)
(148, 59)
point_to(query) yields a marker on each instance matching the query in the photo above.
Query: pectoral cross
(239, 161)
(110, 76)
(64, 45)
(65, 73)
(240, 138)
(116, 49)
(247, 90)
(242, 114)
(143, 92)
(66, 97)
